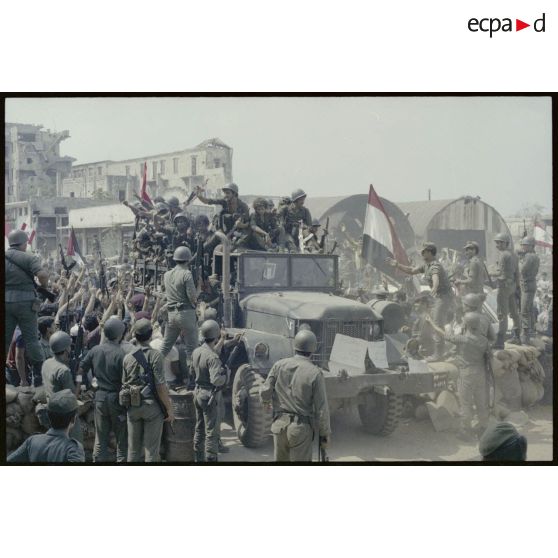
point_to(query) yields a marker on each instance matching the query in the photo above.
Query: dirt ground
(413, 440)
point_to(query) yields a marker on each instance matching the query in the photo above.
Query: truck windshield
(313, 272)
(260, 271)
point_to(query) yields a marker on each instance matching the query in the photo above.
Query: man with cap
(528, 268)
(291, 215)
(312, 243)
(437, 279)
(105, 362)
(235, 214)
(181, 303)
(473, 273)
(55, 446)
(506, 280)
(502, 442)
(21, 303)
(145, 414)
(210, 377)
(472, 386)
(57, 375)
(296, 388)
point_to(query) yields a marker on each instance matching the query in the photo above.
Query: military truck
(267, 297)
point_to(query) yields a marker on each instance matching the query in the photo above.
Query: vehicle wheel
(380, 413)
(252, 420)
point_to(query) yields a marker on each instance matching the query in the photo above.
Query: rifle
(199, 262)
(149, 379)
(45, 293)
(191, 198)
(490, 282)
(102, 276)
(334, 248)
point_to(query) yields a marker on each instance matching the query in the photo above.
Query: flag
(143, 193)
(380, 241)
(73, 247)
(542, 237)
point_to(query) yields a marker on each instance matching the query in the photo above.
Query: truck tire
(380, 413)
(252, 420)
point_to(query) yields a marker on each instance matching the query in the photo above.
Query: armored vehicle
(268, 297)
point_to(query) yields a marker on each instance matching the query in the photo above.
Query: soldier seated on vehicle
(264, 231)
(291, 217)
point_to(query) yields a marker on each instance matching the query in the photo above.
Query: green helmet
(305, 341)
(17, 238)
(59, 342)
(210, 314)
(173, 202)
(501, 237)
(471, 321)
(315, 222)
(114, 328)
(232, 187)
(259, 202)
(178, 216)
(472, 300)
(210, 329)
(297, 194)
(527, 241)
(182, 254)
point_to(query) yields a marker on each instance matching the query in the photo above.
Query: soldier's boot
(515, 339)
(200, 456)
(499, 345)
(212, 458)
(222, 447)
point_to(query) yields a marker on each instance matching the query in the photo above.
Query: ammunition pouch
(124, 397)
(135, 396)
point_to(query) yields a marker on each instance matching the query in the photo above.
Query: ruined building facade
(33, 165)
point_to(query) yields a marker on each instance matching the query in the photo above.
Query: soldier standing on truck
(437, 279)
(297, 389)
(291, 216)
(506, 279)
(528, 269)
(473, 273)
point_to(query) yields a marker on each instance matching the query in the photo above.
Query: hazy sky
(496, 147)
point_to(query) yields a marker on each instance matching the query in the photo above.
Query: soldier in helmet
(174, 206)
(472, 387)
(472, 303)
(55, 446)
(528, 269)
(210, 376)
(312, 243)
(296, 388)
(183, 233)
(145, 417)
(506, 280)
(181, 303)
(105, 362)
(235, 214)
(473, 273)
(21, 303)
(291, 215)
(437, 279)
(57, 374)
(264, 230)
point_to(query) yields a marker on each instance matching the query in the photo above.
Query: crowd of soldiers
(131, 346)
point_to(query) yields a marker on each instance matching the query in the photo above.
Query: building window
(90, 171)
(29, 160)
(175, 165)
(194, 166)
(72, 195)
(25, 211)
(121, 195)
(127, 170)
(99, 171)
(20, 211)
(162, 163)
(64, 222)
(154, 170)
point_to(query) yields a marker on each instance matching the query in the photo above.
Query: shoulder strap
(26, 271)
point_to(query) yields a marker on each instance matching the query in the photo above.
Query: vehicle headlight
(261, 351)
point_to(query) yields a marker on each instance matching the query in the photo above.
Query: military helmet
(297, 194)
(501, 237)
(180, 216)
(430, 246)
(62, 402)
(210, 314)
(472, 244)
(472, 300)
(59, 342)
(201, 220)
(305, 341)
(158, 199)
(527, 241)
(173, 202)
(182, 254)
(17, 237)
(232, 187)
(315, 222)
(259, 202)
(210, 329)
(270, 203)
(161, 207)
(471, 320)
(142, 326)
(114, 328)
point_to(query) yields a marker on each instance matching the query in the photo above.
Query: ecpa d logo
(492, 25)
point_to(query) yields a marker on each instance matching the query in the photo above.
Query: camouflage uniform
(145, 423)
(210, 375)
(297, 388)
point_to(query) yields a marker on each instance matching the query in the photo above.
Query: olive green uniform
(181, 304)
(56, 377)
(53, 447)
(106, 360)
(231, 211)
(473, 280)
(443, 299)
(506, 281)
(297, 389)
(145, 423)
(45, 347)
(291, 216)
(21, 306)
(472, 387)
(210, 375)
(528, 270)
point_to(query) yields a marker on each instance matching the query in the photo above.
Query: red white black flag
(73, 247)
(380, 241)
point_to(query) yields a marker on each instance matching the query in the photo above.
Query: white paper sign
(417, 366)
(377, 351)
(349, 352)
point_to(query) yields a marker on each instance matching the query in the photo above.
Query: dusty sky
(496, 147)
